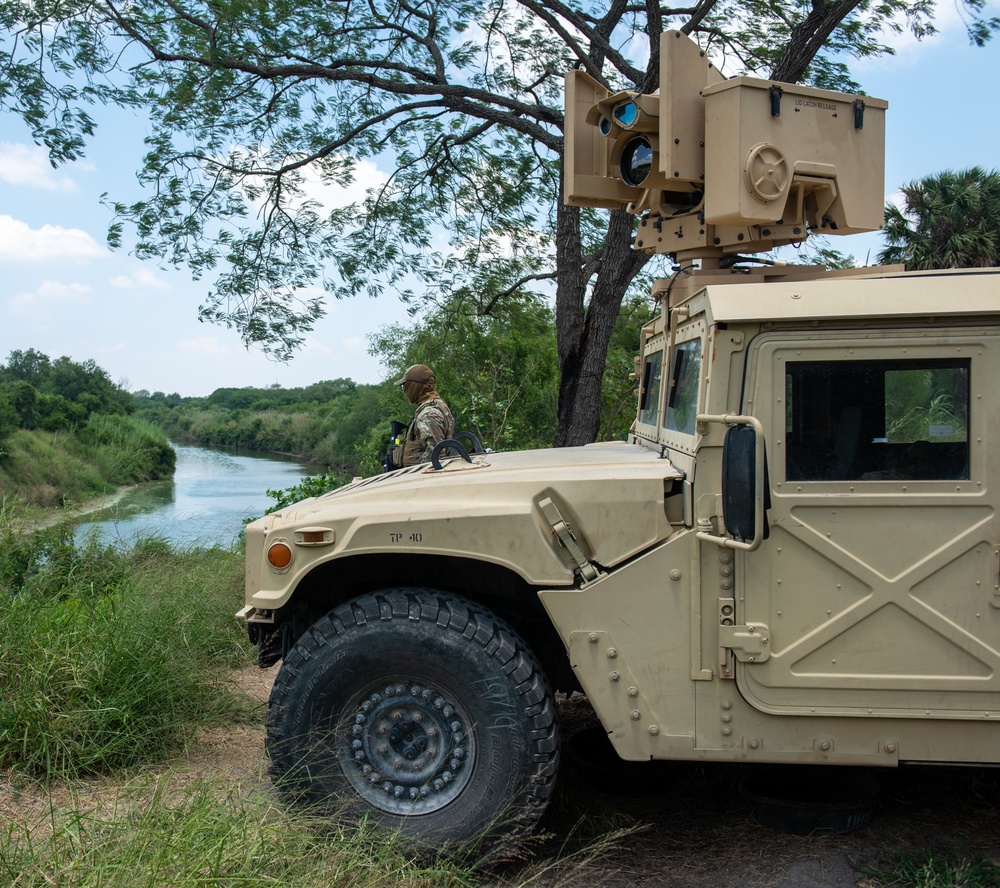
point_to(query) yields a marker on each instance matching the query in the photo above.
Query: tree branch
(809, 36)
(503, 294)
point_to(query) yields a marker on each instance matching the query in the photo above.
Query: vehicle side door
(878, 587)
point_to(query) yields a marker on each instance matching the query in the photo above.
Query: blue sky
(944, 112)
(64, 293)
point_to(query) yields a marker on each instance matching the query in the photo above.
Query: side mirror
(741, 488)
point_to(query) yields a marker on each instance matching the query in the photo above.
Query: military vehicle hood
(611, 496)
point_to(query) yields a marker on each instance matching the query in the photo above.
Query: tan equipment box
(793, 153)
(716, 166)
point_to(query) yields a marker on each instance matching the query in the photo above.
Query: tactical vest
(411, 451)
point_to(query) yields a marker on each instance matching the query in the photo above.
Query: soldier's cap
(417, 373)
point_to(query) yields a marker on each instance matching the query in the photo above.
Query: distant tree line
(37, 392)
(327, 422)
(68, 433)
(498, 372)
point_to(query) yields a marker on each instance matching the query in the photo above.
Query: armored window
(877, 421)
(682, 395)
(649, 404)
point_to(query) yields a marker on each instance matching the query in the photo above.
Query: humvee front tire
(420, 710)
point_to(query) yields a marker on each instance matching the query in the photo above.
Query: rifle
(397, 432)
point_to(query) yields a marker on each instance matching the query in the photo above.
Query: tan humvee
(795, 556)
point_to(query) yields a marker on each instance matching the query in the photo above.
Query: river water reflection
(212, 492)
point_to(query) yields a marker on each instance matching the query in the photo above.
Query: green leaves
(61, 393)
(947, 220)
(309, 486)
(445, 119)
(498, 373)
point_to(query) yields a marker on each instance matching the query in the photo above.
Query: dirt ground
(233, 756)
(694, 828)
(679, 825)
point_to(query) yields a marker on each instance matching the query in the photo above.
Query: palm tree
(948, 220)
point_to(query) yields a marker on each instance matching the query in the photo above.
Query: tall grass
(936, 870)
(55, 469)
(208, 837)
(126, 449)
(110, 658)
(178, 833)
(49, 470)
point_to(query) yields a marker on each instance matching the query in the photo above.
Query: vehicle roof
(939, 294)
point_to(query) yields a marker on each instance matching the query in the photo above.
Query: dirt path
(53, 516)
(233, 756)
(682, 825)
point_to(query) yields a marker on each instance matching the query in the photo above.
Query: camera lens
(637, 162)
(627, 112)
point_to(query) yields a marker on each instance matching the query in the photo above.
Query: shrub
(110, 658)
(309, 486)
(127, 449)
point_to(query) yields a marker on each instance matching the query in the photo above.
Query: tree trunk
(809, 36)
(583, 330)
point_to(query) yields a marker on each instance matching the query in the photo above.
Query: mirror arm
(734, 419)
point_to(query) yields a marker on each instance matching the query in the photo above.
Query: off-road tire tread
(451, 614)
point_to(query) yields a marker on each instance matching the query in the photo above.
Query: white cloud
(29, 165)
(203, 347)
(21, 243)
(354, 345)
(47, 299)
(897, 199)
(328, 194)
(315, 348)
(140, 279)
(366, 175)
(950, 22)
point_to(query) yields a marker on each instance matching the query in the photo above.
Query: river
(213, 490)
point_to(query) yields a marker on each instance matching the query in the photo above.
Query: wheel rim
(406, 747)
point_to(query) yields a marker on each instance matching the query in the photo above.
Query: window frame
(679, 381)
(766, 396)
(646, 394)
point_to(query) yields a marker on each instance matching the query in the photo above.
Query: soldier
(432, 421)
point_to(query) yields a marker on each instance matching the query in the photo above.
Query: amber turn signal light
(279, 555)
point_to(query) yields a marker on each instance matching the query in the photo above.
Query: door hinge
(748, 643)
(995, 597)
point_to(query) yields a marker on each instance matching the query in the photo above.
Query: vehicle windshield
(682, 396)
(649, 406)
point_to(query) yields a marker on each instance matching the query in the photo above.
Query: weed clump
(111, 657)
(933, 869)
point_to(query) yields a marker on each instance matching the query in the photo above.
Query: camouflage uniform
(432, 421)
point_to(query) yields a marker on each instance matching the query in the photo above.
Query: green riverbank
(47, 475)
